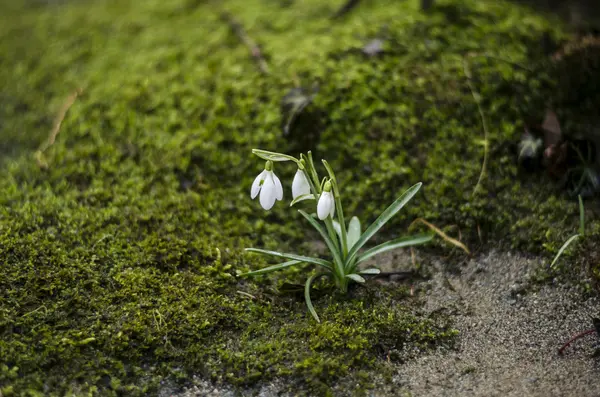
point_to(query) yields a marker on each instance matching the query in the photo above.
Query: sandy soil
(510, 334)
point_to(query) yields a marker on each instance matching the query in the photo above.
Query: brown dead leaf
(39, 154)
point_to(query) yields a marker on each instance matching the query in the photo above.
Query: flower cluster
(343, 241)
(270, 189)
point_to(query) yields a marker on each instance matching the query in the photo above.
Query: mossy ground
(119, 258)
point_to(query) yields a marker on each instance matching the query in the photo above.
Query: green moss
(358, 333)
(119, 259)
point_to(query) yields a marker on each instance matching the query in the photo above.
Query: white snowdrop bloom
(326, 205)
(300, 184)
(269, 187)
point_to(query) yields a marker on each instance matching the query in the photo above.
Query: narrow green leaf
(307, 259)
(330, 243)
(309, 304)
(564, 247)
(581, 217)
(353, 231)
(273, 156)
(273, 268)
(370, 271)
(382, 220)
(302, 197)
(355, 277)
(393, 244)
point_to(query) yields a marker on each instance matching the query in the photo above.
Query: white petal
(300, 185)
(256, 184)
(332, 211)
(268, 193)
(296, 184)
(324, 205)
(278, 187)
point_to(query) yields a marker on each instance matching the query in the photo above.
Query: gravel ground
(510, 332)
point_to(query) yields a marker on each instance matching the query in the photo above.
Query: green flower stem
(315, 185)
(311, 176)
(313, 171)
(339, 209)
(333, 236)
(338, 263)
(340, 273)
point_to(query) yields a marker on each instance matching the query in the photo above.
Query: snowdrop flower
(300, 184)
(269, 186)
(326, 205)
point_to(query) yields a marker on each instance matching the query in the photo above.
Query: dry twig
(440, 233)
(240, 32)
(39, 154)
(573, 339)
(246, 295)
(346, 8)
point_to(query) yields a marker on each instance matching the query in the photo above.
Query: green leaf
(307, 259)
(355, 277)
(273, 156)
(581, 217)
(382, 220)
(330, 244)
(302, 197)
(396, 243)
(370, 271)
(564, 247)
(273, 268)
(353, 231)
(309, 304)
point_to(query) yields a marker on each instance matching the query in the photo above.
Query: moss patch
(119, 259)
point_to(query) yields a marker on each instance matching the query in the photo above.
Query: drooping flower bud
(326, 205)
